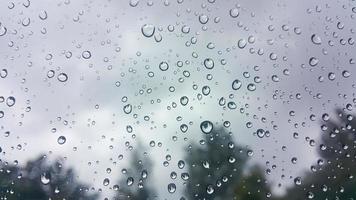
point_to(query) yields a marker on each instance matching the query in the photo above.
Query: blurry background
(177, 99)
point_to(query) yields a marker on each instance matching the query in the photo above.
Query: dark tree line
(215, 170)
(40, 180)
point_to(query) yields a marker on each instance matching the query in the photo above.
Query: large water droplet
(10, 101)
(86, 54)
(206, 127)
(316, 39)
(45, 178)
(62, 77)
(148, 30)
(209, 63)
(172, 188)
(234, 12)
(163, 66)
(61, 140)
(236, 84)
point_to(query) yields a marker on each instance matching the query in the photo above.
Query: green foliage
(333, 176)
(140, 173)
(25, 183)
(216, 167)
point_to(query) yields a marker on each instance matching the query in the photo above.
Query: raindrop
(148, 30)
(45, 178)
(251, 87)
(260, 133)
(106, 182)
(10, 101)
(236, 84)
(346, 74)
(313, 61)
(172, 188)
(163, 66)
(242, 43)
(234, 12)
(316, 39)
(3, 30)
(184, 100)
(128, 108)
(62, 77)
(206, 127)
(50, 74)
(129, 181)
(206, 90)
(3, 73)
(209, 63)
(298, 180)
(86, 54)
(203, 19)
(61, 140)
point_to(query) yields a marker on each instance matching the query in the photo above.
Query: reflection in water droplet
(206, 127)
(236, 84)
(313, 61)
(316, 39)
(184, 100)
(203, 19)
(251, 87)
(50, 74)
(209, 63)
(242, 43)
(61, 140)
(3, 73)
(10, 101)
(172, 188)
(45, 178)
(234, 12)
(62, 77)
(148, 30)
(128, 108)
(163, 66)
(86, 54)
(106, 182)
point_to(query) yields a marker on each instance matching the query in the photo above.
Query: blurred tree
(137, 184)
(333, 176)
(40, 181)
(215, 170)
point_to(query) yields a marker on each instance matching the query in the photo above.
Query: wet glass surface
(177, 99)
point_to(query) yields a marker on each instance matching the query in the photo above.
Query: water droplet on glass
(316, 39)
(251, 87)
(206, 127)
(163, 66)
(203, 19)
(128, 108)
(209, 63)
(62, 77)
(242, 43)
(172, 188)
(184, 100)
(86, 54)
(236, 84)
(50, 74)
(313, 61)
(148, 30)
(234, 12)
(3, 73)
(106, 182)
(10, 101)
(61, 140)
(45, 178)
